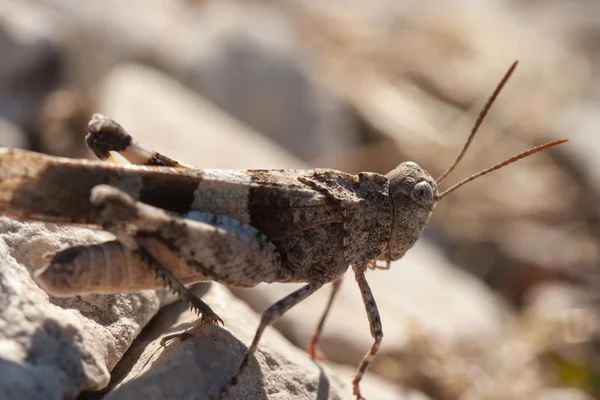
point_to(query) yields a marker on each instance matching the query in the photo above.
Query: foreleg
(374, 322)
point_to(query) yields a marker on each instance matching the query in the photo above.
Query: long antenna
(502, 164)
(480, 118)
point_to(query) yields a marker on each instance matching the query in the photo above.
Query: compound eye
(422, 192)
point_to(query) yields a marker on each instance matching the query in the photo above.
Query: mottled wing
(38, 187)
(275, 202)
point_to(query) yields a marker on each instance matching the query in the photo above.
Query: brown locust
(236, 227)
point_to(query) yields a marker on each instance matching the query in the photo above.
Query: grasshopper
(239, 228)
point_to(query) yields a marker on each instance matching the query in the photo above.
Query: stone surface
(196, 367)
(53, 348)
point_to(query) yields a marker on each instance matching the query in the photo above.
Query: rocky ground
(498, 300)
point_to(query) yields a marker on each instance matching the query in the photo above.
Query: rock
(422, 288)
(566, 316)
(53, 348)
(196, 367)
(552, 300)
(60, 124)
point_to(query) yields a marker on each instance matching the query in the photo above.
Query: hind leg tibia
(106, 136)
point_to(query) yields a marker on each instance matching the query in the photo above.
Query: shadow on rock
(195, 368)
(323, 385)
(54, 367)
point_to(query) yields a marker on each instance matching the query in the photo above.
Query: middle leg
(312, 345)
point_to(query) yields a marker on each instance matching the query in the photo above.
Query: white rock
(198, 366)
(11, 135)
(54, 348)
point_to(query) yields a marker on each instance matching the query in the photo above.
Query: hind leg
(138, 227)
(106, 136)
(219, 248)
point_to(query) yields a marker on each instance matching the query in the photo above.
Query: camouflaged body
(320, 221)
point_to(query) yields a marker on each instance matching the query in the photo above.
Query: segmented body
(314, 218)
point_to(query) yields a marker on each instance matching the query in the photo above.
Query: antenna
(480, 118)
(502, 164)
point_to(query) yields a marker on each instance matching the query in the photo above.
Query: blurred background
(499, 298)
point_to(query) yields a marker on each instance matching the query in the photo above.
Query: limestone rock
(11, 135)
(53, 348)
(196, 367)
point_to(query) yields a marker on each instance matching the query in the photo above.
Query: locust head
(414, 193)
